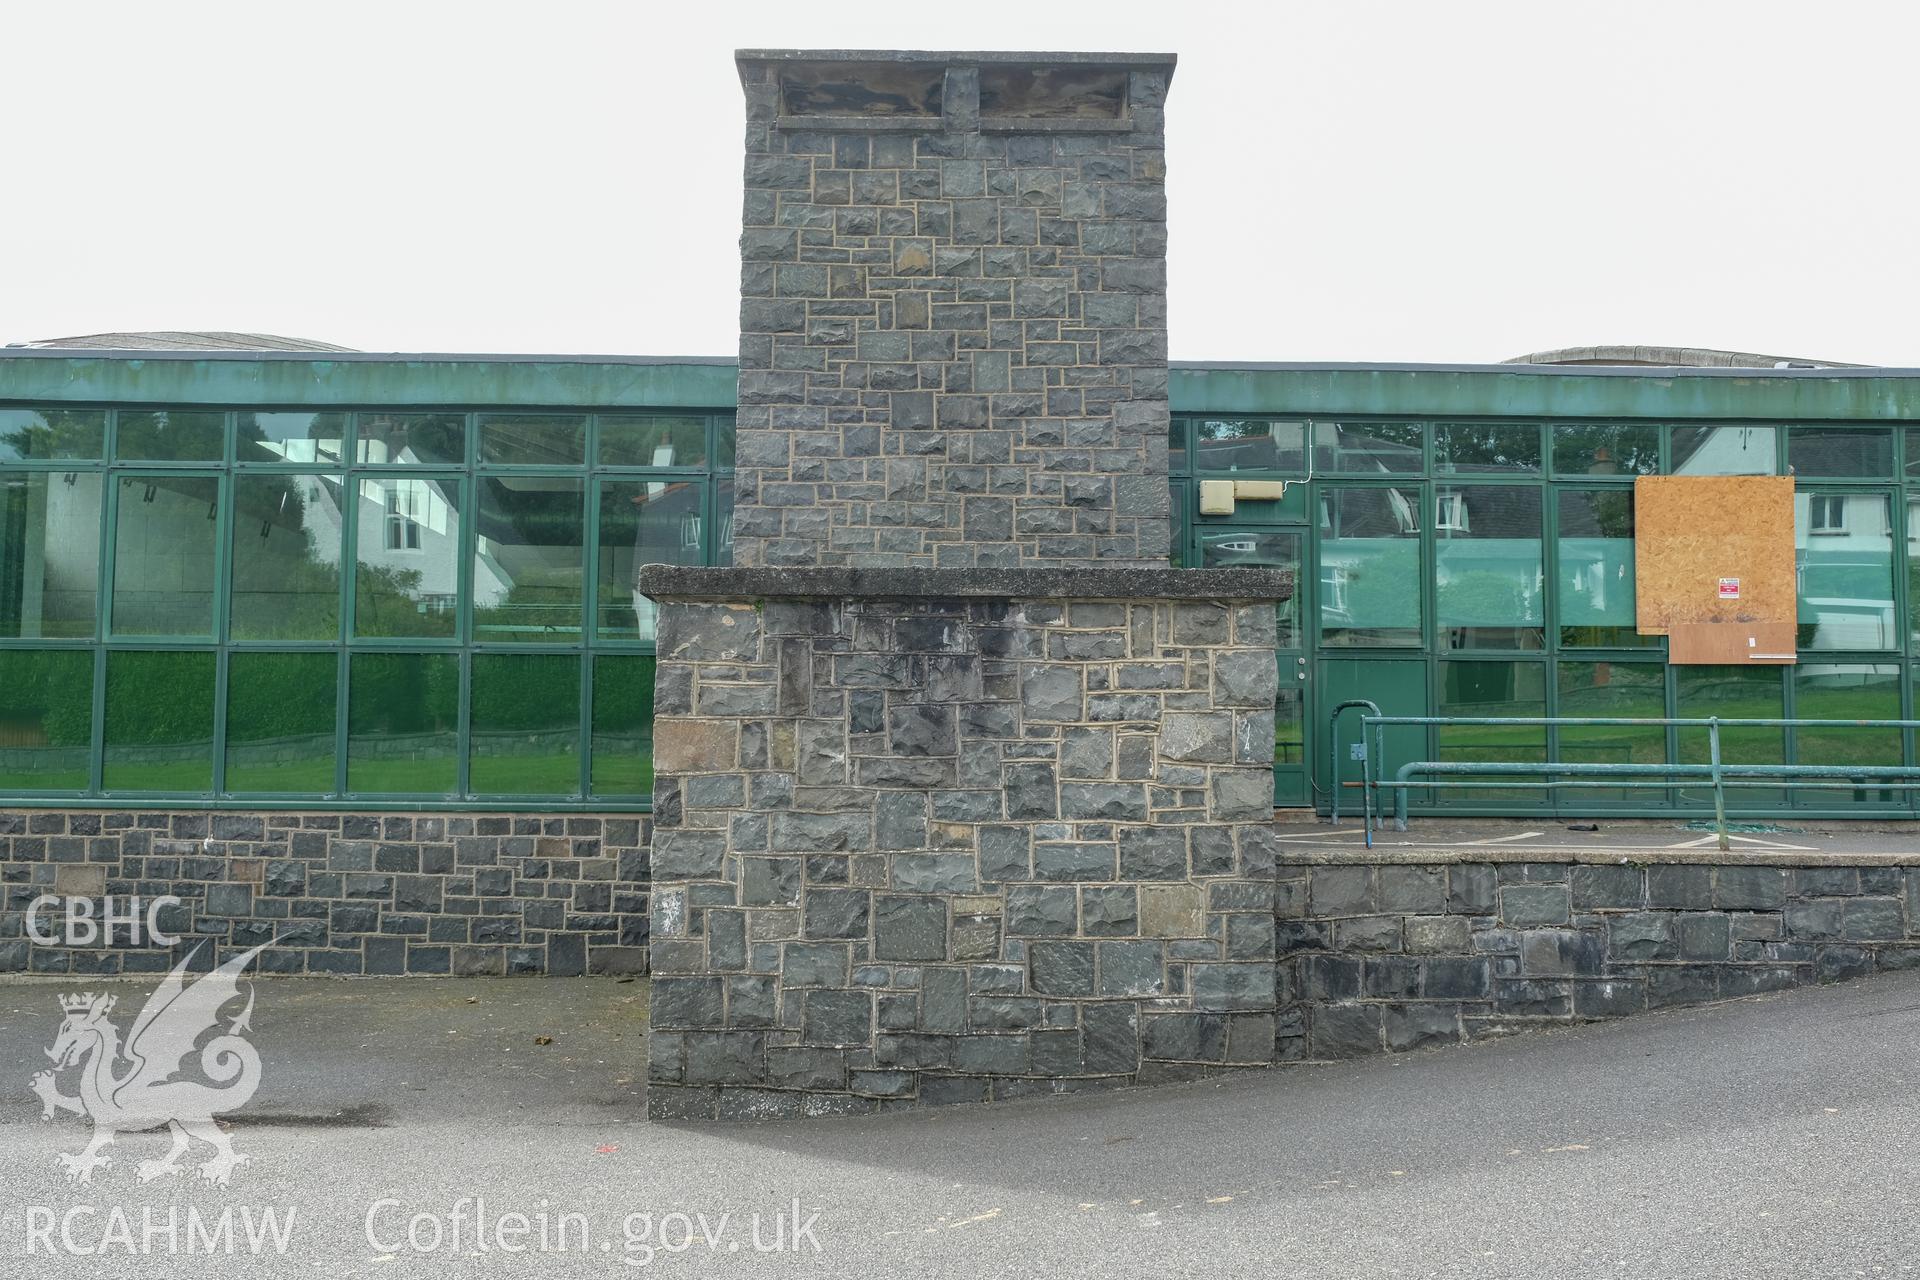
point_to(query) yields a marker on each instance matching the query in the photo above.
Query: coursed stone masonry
(915, 850)
(338, 893)
(1385, 956)
(953, 329)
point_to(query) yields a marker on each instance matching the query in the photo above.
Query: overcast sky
(1463, 181)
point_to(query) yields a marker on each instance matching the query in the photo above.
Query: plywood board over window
(1714, 567)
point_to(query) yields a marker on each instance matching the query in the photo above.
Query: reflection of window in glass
(642, 522)
(165, 548)
(1249, 444)
(1738, 449)
(49, 553)
(1362, 448)
(407, 575)
(1369, 567)
(1488, 567)
(1605, 449)
(1843, 546)
(529, 558)
(286, 557)
(1595, 553)
(544, 439)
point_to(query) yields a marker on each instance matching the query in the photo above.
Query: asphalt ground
(1774, 1136)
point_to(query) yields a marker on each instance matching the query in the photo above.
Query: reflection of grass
(617, 775)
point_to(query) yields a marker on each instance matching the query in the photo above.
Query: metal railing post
(1719, 791)
(1333, 751)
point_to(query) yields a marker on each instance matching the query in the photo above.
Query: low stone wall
(1381, 956)
(337, 893)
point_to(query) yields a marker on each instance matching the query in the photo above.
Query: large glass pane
(1177, 446)
(290, 437)
(526, 725)
(397, 439)
(1366, 448)
(171, 435)
(1843, 545)
(46, 718)
(623, 725)
(1596, 603)
(407, 576)
(159, 730)
(1605, 449)
(1509, 447)
(52, 432)
(1487, 566)
(1370, 566)
(49, 553)
(653, 440)
(1612, 690)
(1735, 449)
(1847, 691)
(1865, 452)
(723, 441)
(403, 716)
(1258, 549)
(1732, 693)
(165, 547)
(723, 515)
(1289, 718)
(286, 557)
(1249, 444)
(642, 522)
(529, 559)
(530, 439)
(280, 719)
(1176, 526)
(1493, 690)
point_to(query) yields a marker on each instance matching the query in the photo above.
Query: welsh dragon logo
(135, 1087)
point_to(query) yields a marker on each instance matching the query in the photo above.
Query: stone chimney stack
(961, 792)
(953, 311)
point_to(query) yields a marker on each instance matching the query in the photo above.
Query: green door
(1398, 686)
(1255, 547)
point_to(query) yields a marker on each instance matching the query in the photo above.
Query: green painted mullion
(586, 724)
(341, 708)
(97, 732)
(463, 728)
(469, 489)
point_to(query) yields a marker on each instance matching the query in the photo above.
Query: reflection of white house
(1843, 555)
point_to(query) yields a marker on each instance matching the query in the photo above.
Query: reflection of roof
(185, 340)
(1675, 357)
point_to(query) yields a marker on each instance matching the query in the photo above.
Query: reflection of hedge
(280, 695)
(53, 687)
(623, 695)
(404, 692)
(525, 691)
(159, 697)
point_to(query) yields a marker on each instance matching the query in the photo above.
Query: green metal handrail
(1574, 775)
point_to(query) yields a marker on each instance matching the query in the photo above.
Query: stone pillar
(961, 793)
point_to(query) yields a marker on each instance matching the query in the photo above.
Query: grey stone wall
(339, 893)
(953, 340)
(1381, 957)
(918, 851)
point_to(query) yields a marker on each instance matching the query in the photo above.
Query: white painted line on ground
(1524, 835)
(1322, 835)
(1754, 840)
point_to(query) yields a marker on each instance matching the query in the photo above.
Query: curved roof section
(184, 340)
(1675, 357)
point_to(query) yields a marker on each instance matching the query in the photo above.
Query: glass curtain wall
(1500, 555)
(341, 606)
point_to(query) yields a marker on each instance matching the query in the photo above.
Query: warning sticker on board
(1729, 588)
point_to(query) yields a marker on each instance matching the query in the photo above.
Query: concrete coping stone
(1402, 856)
(687, 582)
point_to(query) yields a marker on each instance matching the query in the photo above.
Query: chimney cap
(959, 58)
